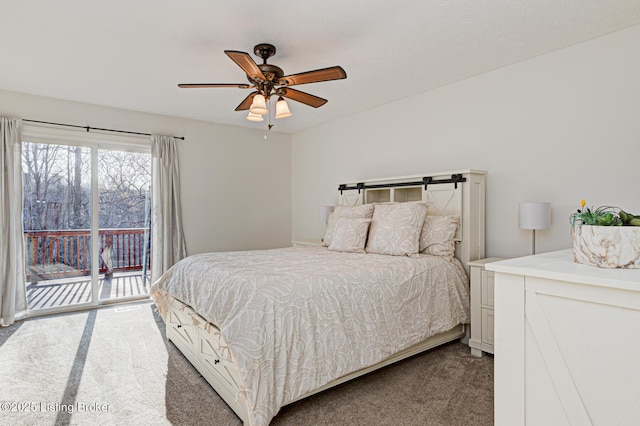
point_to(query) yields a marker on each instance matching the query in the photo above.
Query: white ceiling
(131, 54)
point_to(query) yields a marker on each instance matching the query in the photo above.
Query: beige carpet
(113, 366)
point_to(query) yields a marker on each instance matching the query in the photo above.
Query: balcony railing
(55, 254)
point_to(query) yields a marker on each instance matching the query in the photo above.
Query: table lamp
(325, 211)
(534, 216)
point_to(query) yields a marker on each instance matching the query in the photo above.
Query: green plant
(603, 216)
(629, 219)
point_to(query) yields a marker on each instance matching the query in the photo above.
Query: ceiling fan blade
(246, 103)
(247, 64)
(208, 85)
(315, 76)
(305, 98)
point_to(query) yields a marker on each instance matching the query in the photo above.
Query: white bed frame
(202, 344)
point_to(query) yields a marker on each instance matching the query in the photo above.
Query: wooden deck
(71, 291)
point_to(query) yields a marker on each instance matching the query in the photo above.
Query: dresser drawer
(486, 290)
(487, 326)
(482, 303)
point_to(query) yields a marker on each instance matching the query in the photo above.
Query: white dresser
(567, 342)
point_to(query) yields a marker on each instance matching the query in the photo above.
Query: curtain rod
(88, 128)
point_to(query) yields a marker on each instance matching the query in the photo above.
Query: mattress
(294, 319)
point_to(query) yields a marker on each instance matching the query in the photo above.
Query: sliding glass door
(86, 224)
(57, 224)
(124, 220)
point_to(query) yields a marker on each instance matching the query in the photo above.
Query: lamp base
(533, 242)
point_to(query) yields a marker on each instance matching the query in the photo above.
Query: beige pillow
(438, 235)
(350, 235)
(362, 211)
(395, 229)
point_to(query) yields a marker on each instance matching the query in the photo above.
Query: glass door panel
(124, 221)
(57, 224)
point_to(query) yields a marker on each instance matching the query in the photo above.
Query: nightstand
(481, 306)
(302, 243)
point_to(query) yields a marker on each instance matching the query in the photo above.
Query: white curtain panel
(167, 237)
(13, 299)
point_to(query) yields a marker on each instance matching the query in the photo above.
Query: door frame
(46, 134)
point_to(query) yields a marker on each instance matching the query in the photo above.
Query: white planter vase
(607, 246)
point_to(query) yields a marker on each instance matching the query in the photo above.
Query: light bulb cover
(259, 105)
(282, 109)
(254, 117)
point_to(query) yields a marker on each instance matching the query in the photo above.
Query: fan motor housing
(264, 50)
(272, 72)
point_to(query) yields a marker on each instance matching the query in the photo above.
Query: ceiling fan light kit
(269, 80)
(254, 117)
(259, 105)
(282, 109)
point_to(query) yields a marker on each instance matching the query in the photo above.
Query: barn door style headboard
(459, 193)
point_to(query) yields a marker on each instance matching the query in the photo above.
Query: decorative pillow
(362, 211)
(395, 228)
(438, 235)
(350, 235)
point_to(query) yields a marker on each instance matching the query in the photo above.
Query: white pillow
(395, 228)
(350, 235)
(438, 235)
(362, 211)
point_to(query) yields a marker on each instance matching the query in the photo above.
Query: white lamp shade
(254, 117)
(324, 213)
(282, 109)
(259, 105)
(535, 215)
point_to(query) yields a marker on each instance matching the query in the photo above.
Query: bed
(269, 327)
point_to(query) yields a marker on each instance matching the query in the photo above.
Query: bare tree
(75, 194)
(41, 175)
(124, 185)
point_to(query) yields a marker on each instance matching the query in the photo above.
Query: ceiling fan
(269, 80)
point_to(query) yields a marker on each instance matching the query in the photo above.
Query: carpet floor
(113, 366)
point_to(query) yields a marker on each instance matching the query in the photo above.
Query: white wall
(559, 127)
(235, 185)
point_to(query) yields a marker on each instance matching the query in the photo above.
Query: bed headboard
(460, 193)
